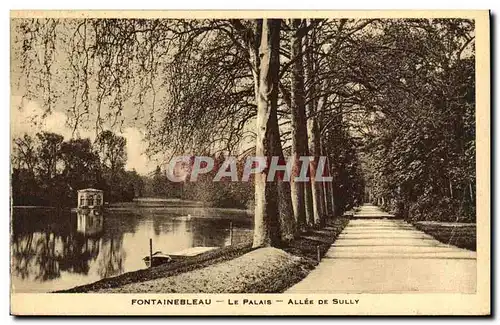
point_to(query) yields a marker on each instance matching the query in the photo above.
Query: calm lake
(54, 250)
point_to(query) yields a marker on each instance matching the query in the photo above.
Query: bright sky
(28, 119)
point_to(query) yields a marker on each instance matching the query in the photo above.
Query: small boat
(158, 258)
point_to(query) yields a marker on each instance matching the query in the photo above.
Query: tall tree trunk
(332, 199)
(313, 133)
(287, 224)
(326, 187)
(316, 142)
(267, 221)
(311, 191)
(315, 186)
(308, 196)
(324, 171)
(314, 150)
(299, 124)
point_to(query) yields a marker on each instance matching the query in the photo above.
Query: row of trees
(269, 87)
(47, 170)
(420, 153)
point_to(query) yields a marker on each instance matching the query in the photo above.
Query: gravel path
(374, 255)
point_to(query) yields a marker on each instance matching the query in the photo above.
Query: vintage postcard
(250, 163)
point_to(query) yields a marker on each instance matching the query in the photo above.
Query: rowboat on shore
(158, 258)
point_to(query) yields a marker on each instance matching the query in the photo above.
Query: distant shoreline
(176, 206)
(147, 202)
(37, 207)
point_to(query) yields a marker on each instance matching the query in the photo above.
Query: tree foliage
(390, 102)
(48, 170)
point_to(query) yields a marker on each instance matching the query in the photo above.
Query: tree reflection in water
(110, 261)
(46, 245)
(70, 249)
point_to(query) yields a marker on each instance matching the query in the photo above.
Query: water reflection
(53, 250)
(89, 224)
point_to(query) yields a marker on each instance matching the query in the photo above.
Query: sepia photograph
(251, 163)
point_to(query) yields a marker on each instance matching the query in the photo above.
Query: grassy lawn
(167, 270)
(462, 235)
(306, 245)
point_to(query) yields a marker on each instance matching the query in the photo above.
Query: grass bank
(462, 235)
(235, 269)
(166, 270)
